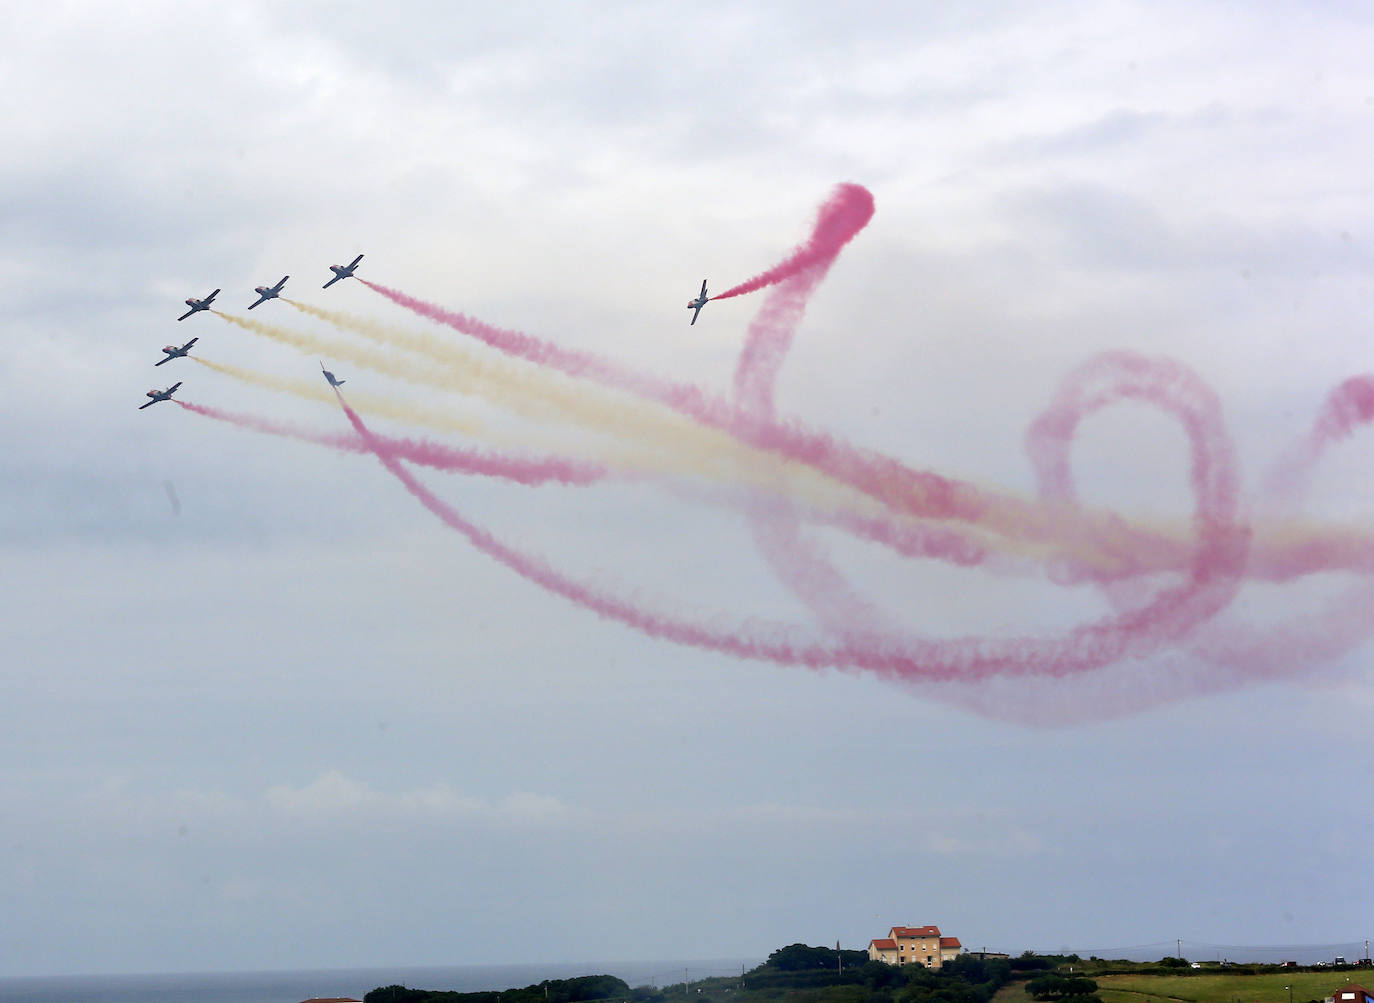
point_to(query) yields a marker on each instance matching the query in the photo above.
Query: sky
(263, 710)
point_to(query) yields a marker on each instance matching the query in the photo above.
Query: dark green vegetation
(796, 973)
(801, 974)
(579, 990)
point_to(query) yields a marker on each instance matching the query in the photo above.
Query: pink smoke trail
(1088, 646)
(429, 454)
(908, 540)
(1347, 407)
(538, 571)
(1217, 562)
(917, 492)
(837, 223)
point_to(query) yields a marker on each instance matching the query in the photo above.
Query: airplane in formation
(342, 271)
(175, 353)
(160, 395)
(699, 302)
(198, 305)
(334, 381)
(266, 293)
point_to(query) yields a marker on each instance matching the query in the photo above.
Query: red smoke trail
(429, 454)
(1348, 406)
(1132, 632)
(909, 540)
(1162, 590)
(887, 480)
(1217, 562)
(839, 220)
(527, 566)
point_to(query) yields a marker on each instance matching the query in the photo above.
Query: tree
(799, 958)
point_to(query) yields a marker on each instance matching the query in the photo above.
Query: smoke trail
(838, 221)
(1347, 407)
(783, 649)
(531, 472)
(1077, 650)
(888, 481)
(539, 394)
(674, 449)
(651, 430)
(384, 407)
(892, 484)
(1165, 586)
(1220, 553)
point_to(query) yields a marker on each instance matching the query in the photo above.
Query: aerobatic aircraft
(699, 302)
(160, 395)
(175, 353)
(266, 293)
(198, 305)
(342, 271)
(334, 381)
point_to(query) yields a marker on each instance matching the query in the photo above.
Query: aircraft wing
(703, 287)
(355, 261)
(165, 358)
(149, 404)
(336, 278)
(695, 312)
(261, 299)
(187, 314)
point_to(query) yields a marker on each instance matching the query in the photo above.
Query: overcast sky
(262, 710)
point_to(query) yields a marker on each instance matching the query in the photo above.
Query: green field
(1219, 988)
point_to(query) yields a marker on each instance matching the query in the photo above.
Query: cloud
(333, 796)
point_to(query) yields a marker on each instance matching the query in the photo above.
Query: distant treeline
(579, 990)
(797, 972)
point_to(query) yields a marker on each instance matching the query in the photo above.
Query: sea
(295, 986)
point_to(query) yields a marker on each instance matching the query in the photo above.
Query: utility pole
(839, 957)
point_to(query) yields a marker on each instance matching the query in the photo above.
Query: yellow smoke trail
(1027, 528)
(383, 407)
(660, 441)
(535, 392)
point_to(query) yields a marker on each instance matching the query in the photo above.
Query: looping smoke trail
(1077, 650)
(1169, 590)
(1131, 632)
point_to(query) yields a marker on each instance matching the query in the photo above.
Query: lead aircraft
(160, 395)
(266, 293)
(198, 305)
(696, 304)
(175, 353)
(342, 271)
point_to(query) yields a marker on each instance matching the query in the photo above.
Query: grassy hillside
(1220, 988)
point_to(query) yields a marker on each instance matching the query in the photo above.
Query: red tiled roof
(915, 931)
(884, 945)
(950, 942)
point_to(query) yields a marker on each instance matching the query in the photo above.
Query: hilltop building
(1351, 994)
(914, 945)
